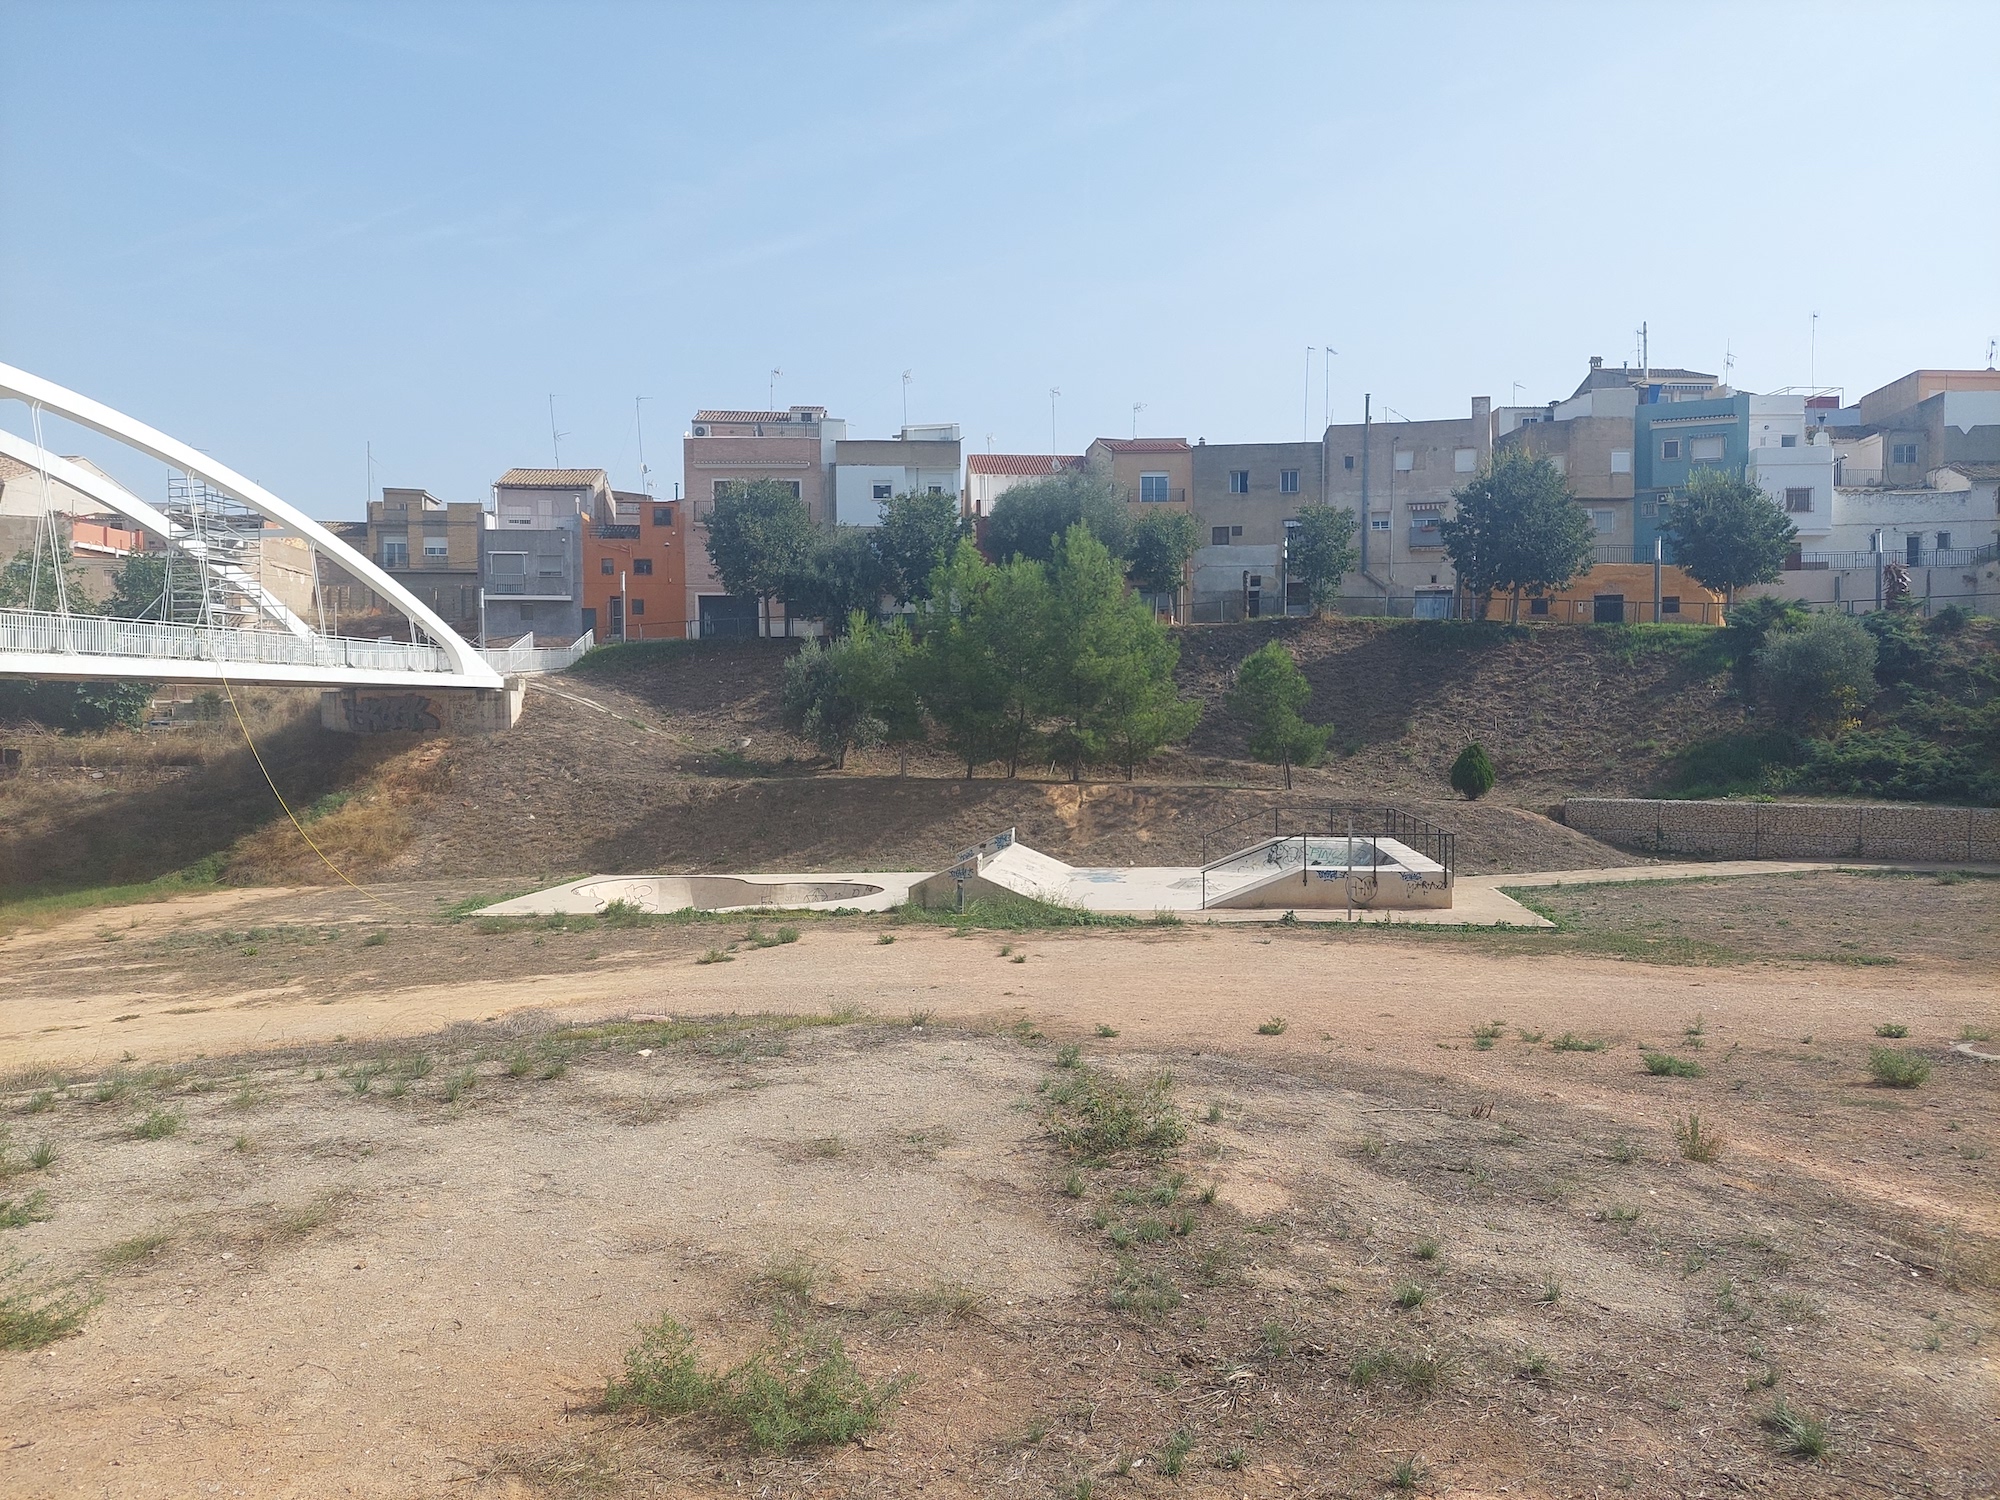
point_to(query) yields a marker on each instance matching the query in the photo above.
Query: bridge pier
(422, 710)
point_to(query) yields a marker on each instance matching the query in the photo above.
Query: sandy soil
(332, 1280)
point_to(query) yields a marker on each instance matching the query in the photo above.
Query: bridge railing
(97, 635)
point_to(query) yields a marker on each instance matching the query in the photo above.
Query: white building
(1793, 462)
(988, 476)
(868, 473)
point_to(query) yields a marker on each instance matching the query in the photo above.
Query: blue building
(1671, 439)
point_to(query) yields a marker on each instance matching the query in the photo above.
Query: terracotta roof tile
(1144, 445)
(1021, 463)
(797, 414)
(552, 479)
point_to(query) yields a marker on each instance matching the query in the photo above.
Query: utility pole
(1367, 522)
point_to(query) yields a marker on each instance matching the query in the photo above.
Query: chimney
(1596, 361)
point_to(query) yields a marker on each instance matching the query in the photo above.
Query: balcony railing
(1168, 497)
(511, 586)
(1934, 557)
(622, 532)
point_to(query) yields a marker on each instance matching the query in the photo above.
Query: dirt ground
(424, 1180)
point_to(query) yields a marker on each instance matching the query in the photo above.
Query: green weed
(1273, 1027)
(1666, 1065)
(1799, 1435)
(1698, 1142)
(1893, 1030)
(158, 1125)
(1896, 1068)
(1096, 1114)
(1569, 1041)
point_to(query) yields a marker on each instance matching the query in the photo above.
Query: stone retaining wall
(1790, 830)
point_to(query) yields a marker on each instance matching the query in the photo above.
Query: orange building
(1619, 594)
(635, 570)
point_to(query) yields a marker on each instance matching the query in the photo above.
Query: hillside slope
(675, 758)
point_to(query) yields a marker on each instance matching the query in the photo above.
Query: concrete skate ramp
(998, 869)
(1307, 872)
(660, 893)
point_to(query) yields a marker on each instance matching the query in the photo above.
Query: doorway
(1608, 609)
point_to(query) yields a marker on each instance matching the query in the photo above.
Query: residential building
(722, 448)
(868, 472)
(635, 571)
(1595, 454)
(988, 476)
(98, 542)
(1670, 440)
(1149, 471)
(1246, 499)
(1620, 593)
(533, 565)
(1398, 477)
(1792, 460)
(433, 548)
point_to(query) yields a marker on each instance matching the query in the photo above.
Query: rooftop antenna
(1812, 356)
(907, 377)
(555, 438)
(639, 420)
(1517, 393)
(1728, 361)
(1645, 356)
(989, 442)
(1054, 446)
(1306, 402)
(1992, 349)
(1137, 407)
(1325, 386)
(771, 390)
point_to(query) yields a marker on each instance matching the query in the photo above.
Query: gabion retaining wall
(1790, 830)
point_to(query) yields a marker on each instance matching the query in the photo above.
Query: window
(1347, 462)
(1621, 460)
(643, 566)
(395, 552)
(1218, 536)
(1705, 450)
(1789, 440)
(1538, 606)
(882, 491)
(435, 548)
(1670, 448)
(1648, 506)
(1406, 460)
(605, 567)
(1603, 522)
(1799, 498)
(1903, 453)
(1152, 488)
(1944, 541)
(546, 566)
(1464, 460)
(1378, 523)
(1235, 531)
(627, 510)
(1239, 481)
(638, 606)
(663, 515)
(1288, 481)
(517, 515)
(936, 489)
(1670, 604)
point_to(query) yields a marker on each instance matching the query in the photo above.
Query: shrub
(1801, 1435)
(1666, 1065)
(799, 1391)
(1894, 1030)
(1095, 1113)
(1819, 676)
(1752, 621)
(1472, 773)
(1698, 1142)
(1898, 1069)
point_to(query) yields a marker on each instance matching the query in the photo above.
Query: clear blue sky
(283, 232)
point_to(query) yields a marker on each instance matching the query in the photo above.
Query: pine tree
(1270, 695)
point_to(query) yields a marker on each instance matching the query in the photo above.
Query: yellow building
(1620, 593)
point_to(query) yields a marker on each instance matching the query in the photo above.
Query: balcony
(1163, 497)
(1425, 535)
(1930, 557)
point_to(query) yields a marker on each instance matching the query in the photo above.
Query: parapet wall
(1790, 830)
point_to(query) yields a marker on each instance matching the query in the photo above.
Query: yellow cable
(257, 755)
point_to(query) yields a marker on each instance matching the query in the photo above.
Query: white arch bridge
(244, 632)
